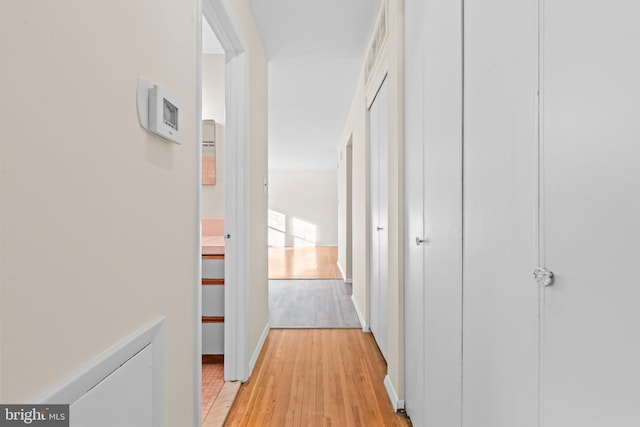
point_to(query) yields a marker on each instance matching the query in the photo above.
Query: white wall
(309, 201)
(212, 196)
(356, 129)
(345, 209)
(98, 216)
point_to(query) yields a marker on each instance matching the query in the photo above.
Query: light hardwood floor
(316, 377)
(304, 262)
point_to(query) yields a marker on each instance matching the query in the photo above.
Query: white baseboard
(256, 353)
(365, 327)
(393, 396)
(344, 276)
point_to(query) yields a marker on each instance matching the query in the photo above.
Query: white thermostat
(159, 112)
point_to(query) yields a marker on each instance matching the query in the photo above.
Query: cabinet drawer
(213, 268)
(213, 300)
(213, 338)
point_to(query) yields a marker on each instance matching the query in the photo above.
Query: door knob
(543, 277)
(378, 228)
(420, 241)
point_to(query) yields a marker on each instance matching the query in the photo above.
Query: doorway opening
(212, 216)
(306, 286)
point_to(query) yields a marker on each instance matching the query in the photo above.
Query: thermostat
(159, 112)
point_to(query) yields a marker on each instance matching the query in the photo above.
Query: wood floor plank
(316, 377)
(304, 262)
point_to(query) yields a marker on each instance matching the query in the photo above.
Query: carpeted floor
(311, 304)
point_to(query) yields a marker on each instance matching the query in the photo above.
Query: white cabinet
(213, 300)
(213, 305)
(213, 338)
(213, 267)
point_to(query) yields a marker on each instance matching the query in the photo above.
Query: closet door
(591, 208)
(433, 197)
(415, 357)
(378, 277)
(500, 315)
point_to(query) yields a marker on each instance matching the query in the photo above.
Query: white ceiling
(316, 51)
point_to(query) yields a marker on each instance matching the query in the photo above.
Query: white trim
(256, 353)
(365, 327)
(219, 14)
(393, 396)
(84, 379)
(344, 276)
(197, 367)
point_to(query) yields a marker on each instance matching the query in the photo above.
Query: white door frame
(220, 16)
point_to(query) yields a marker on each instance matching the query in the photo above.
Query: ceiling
(316, 51)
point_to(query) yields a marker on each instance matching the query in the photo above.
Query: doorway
(306, 287)
(219, 15)
(212, 217)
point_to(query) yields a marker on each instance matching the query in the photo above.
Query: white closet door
(415, 358)
(500, 174)
(433, 195)
(378, 134)
(591, 211)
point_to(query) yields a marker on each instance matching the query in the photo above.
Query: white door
(500, 378)
(433, 197)
(414, 211)
(591, 211)
(378, 277)
(415, 401)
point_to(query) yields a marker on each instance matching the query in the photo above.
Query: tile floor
(212, 382)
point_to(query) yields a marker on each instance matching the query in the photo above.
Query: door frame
(220, 16)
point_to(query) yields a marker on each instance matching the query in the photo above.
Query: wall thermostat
(159, 112)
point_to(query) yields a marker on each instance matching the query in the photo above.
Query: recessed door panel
(500, 174)
(591, 205)
(415, 403)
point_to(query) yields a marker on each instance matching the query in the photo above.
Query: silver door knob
(543, 277)
(378, 228)
(420, 241)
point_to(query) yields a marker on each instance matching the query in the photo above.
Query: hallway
(316, 377)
